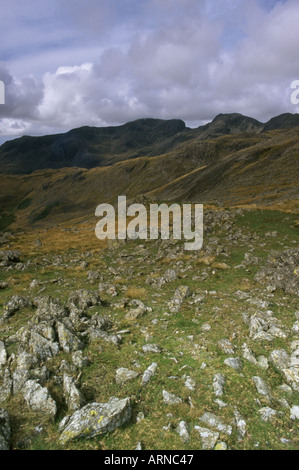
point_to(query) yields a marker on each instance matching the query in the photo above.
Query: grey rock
(38, 398)
(15, 304)
(218, 384)
(96, 419)
(6, 387)
(234, 362)
(171, 399)
(215, 422)
(267, 414)
(241, 425)
(73, 397)
(79, 360)
(226, 346)
(149, 373)
(262, 387)
(190, 383)
(3, 354)
(183, 431)
(151, 348)
(208, 437)
(294, 413)
(4, 430)
(181, 293)
(68, 341)
(124, 375)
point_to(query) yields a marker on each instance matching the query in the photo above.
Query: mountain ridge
(90, 147)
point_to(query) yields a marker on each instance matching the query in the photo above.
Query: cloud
(105, 63)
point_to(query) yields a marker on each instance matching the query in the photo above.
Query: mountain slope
(89, 147)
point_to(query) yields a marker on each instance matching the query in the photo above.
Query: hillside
(218, 163)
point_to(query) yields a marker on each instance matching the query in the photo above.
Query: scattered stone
(221, 446)
(294, 413)
(149, 373)
(262, 387)
(3, 354)
(208, 437)
(181, 293)
(234, 362)
(38, 398)
(226, 346)
(190, 383)
(171, 399)
(183, 431)
(73, 397)
(215, 422)
(96, 419)
(15, 304)
(124, 375)
(241, 425)
(151, 348)
(4, 430)
(267, 414)
(218, 384)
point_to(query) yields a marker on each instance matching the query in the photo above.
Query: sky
(70, 63)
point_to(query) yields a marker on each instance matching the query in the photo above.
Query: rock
(9, 257)
(170, 275)
(287, 365)
(218, 384)
(4, 430)
(73, 397)
(38, 398)
(208, 437)
(82, 299)
(241, 425)
(183, 431)
(262, 362)
(96, 419)
(171, 399)
(149, 373)
(262, 387)
(221, 446)
(294, 413)
(214, 422)
(3, 354)
(6, 387)
(124, 375)
(79, 360)
(151, 348)
(248, 354)
(226, 346)
(181, 293)
(234, 362)
(267, 414)
(15, 304)
(190, 383)
(137, 311)
(19, 378)
(68, 341)
(280, 271)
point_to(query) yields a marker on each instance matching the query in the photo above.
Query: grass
(61, 256)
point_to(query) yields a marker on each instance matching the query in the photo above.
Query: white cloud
(170, 59)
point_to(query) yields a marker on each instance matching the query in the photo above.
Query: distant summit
(284, 121)
(90, 147)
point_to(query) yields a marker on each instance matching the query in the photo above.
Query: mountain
(89, 147)
(232, 161)
(284, 121)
